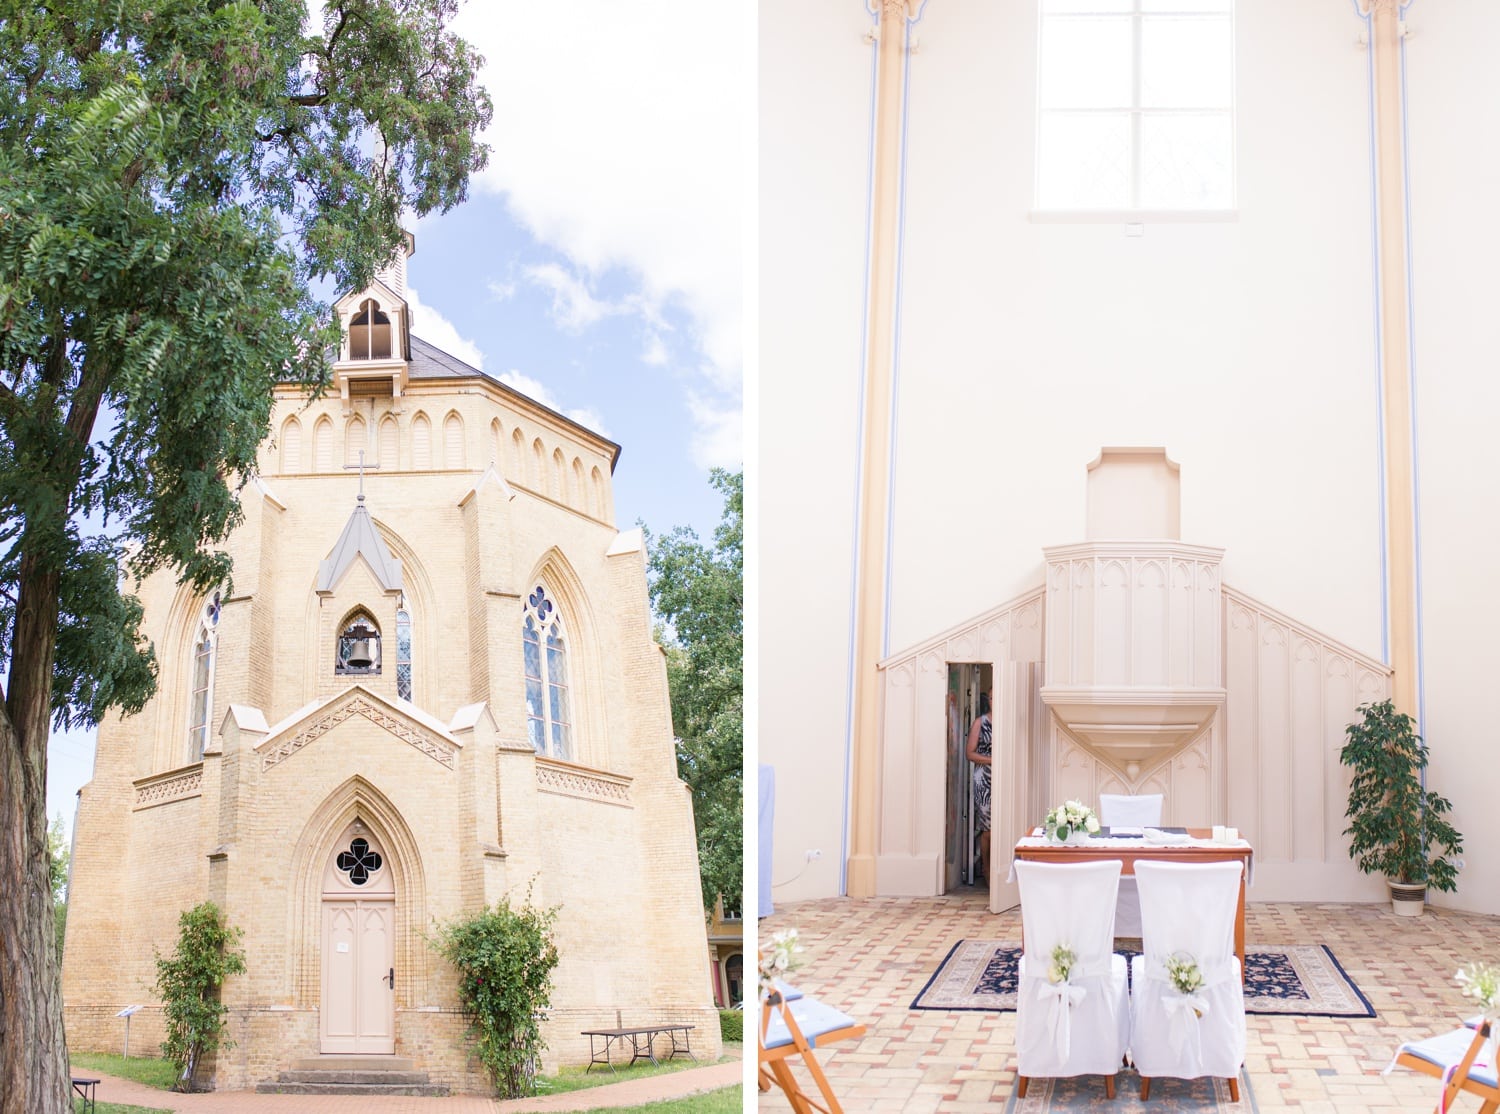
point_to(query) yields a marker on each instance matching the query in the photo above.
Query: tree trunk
(34, 1073)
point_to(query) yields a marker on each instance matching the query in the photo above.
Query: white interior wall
(1244, 347)
(814, 185)
(1453, 113)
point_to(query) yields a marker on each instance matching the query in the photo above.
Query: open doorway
(966, 681)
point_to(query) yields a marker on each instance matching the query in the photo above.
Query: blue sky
(597, 265)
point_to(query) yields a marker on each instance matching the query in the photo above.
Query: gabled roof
(360, 539)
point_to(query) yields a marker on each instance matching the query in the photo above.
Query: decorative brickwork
(589, 785)
(174, 786)
(439, 750)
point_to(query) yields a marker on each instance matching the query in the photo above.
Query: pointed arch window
(403, 652)
(549, 720)
(359, 646)
(200, 706)
(370, 333)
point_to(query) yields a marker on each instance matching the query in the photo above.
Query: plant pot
(1407, 898)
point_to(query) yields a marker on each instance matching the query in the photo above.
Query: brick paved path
(634, 1092)
(870, 957)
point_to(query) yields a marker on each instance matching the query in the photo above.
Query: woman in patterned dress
(979, 754)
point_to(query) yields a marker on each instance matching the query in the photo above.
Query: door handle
(392, 978)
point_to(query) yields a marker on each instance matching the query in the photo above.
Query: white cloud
(573, 306)
(537, 391)
(502, 291)
(434, 328)
(718, 434)
(655, 352)
(618, 139)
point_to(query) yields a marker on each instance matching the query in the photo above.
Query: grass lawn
(141, 1069)
(727, 1101)
(576, 1078)
(120, 1108)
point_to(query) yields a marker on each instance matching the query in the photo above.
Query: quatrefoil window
(540, 603)
(359, 862)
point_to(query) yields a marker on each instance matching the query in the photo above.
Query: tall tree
(698, 592)
(173, 174)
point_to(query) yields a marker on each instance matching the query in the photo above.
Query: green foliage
(732, 1025)
(188, 982)
(171, 177)
(698, 593)
(504, 958)
(1394, 821)
(57, 855)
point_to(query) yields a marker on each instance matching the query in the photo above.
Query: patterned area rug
(1304, 980)
(1168, 1096)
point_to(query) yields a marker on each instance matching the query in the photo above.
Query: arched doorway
(358, 1001)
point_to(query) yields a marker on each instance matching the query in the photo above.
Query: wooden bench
(640, 1040)
(86, 1089)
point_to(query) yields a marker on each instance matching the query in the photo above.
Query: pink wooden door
(359, 1004)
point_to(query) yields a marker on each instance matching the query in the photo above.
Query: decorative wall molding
(564, 779)
(438, 749)
(174, 785)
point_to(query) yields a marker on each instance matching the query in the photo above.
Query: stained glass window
(1136, 102)
(359, 862)
(544, 653)
(201, 702)
(403, 654)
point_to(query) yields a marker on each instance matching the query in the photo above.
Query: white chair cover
(1130, 811)
(1133, 811)
(1081, 1027)
(1188, 909)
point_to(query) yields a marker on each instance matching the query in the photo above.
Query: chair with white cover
(1081, 1026)
(1463, 1059)
(1118, 810)
(1188, 912)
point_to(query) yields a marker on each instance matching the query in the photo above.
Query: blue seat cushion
(1447, 1050)
(814, 1019)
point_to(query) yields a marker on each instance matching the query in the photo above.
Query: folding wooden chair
(1463, 1059)
(793, 1025)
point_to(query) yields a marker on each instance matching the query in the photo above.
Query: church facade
(432, 684)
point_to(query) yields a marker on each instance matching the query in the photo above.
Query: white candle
(1219, 833)
(1232, 835)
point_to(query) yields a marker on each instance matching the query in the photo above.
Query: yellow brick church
(432, 684)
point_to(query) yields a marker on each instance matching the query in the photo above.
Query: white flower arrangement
(1481, 981)
(1070, 817)
(777, 960)
(1186, 978)
(1062, 964)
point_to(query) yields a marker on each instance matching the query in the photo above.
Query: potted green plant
(1394, 822)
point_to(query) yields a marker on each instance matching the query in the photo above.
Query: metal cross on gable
(362, 466)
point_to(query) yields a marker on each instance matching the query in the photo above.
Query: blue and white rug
(1168, 1096)
(1303, 980)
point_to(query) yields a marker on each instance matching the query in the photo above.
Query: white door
(358, 1006)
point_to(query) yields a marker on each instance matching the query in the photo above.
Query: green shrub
(505, 958)
(189, 981)
(732, 1025)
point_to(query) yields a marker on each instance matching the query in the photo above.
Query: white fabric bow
(1065, 996)
(1184, 1011)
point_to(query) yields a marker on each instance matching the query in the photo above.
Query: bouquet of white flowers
(1070, 817)
(777, 960)
(1062, 964)
(1481, 982)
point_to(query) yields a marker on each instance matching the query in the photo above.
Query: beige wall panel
(814, 112)
(1452, 111)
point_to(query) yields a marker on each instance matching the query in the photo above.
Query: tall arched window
(356, 440)
(387, 446)
(549, 720)
(323, 446)
(359, 646)
(291, 446)
(403, 653)
(453, 442)
(421, 443)
(200, 706)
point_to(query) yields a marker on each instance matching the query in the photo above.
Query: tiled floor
(870, 957)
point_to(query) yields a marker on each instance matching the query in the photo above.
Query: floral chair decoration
(1072, 1007)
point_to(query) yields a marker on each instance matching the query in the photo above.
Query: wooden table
(1129, 851)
